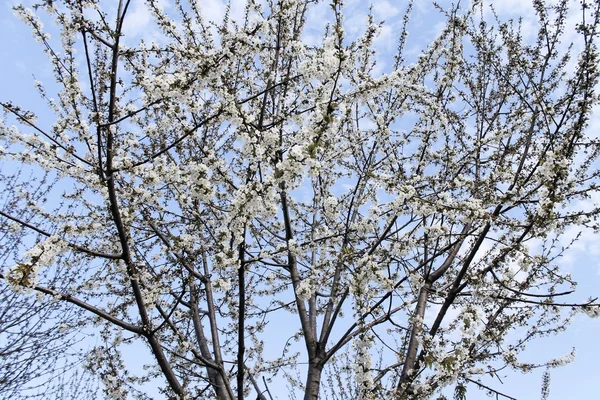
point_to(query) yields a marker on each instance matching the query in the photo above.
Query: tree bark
(417, 329)
(313, 380)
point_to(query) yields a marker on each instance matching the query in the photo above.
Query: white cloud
(384, 10)
(514, 7)
(212, 10)
(317, 17)
(137, 20)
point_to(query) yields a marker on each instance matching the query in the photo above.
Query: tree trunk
(417, 330)
(313, 381)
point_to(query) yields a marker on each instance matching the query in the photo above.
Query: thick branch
(88, 307)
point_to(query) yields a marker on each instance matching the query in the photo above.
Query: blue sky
(23, 58)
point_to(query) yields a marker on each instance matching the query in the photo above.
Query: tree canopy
(262, 210)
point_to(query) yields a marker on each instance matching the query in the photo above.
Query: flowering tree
(36, 351)
(256, 208)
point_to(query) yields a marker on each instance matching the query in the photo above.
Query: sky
(23, 60)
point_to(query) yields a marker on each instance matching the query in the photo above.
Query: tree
(254, 208)
(38, 346)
